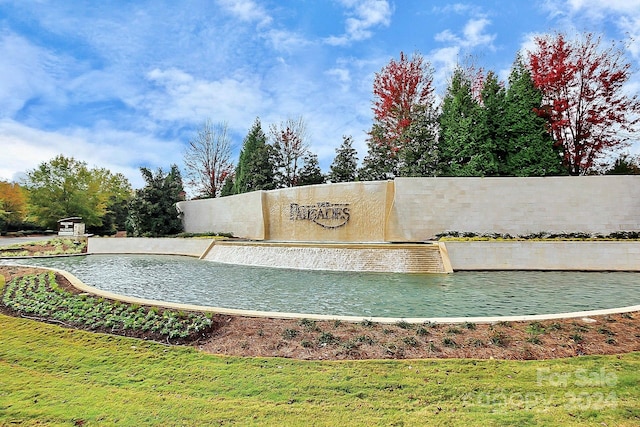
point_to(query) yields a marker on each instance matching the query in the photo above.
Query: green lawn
(55, 376)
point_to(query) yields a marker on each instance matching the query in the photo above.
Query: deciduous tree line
(278, 159)
(562, 111)
(65, 187)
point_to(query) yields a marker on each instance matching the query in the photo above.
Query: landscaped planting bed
(39, 296)
(45, 247)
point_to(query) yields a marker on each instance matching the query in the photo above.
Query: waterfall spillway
(373, 257)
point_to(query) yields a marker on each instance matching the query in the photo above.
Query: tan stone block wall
(241, 214)
(424, 207)
(545, 255)
(364, 203)
(417, 209)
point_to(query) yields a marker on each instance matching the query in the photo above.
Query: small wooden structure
(72, 226)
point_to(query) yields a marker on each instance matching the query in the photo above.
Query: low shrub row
(542, 235)
(205, 235)
(40, 296)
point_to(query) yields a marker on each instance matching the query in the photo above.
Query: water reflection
(188, 280)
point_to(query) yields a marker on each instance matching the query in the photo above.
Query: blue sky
(123, 84)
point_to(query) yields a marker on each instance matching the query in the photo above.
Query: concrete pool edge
(549, 255)
(78, 284)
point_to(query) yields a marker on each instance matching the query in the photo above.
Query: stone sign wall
(417, 209)
(345, 212)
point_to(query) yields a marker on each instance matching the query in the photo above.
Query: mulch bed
(335, 340)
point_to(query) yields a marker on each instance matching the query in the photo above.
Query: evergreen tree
(345, 165)
(490, 138)
(152, 211)
(310, 172)
(116, 217)
(256, 165)
(458, 141)
(381, 161)
(624, 165)
(527, 148)
(228, 187)
(419, 156)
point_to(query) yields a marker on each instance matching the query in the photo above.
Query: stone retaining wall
(417, 209)
(545, 255)
(143, 245)
(489, 255)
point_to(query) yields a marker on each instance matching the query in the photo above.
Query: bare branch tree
(207, 159)
(290, 141)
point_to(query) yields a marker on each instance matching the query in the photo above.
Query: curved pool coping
(78, 284)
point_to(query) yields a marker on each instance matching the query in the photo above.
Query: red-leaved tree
(403, 94)
(588, 111)
(290, 145)
(399, 89)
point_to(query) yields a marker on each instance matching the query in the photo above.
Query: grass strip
(55, 376)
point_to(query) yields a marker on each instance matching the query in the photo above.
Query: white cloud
(444, 60)
(577, 14)
(342, 76)
(631, 26)
(446, 36)
(459, 8)
(279, 38)
(246, 10)
(472, 38)
(179, 97)
(473, 35)
(27, 72)
(363, 16)
(24, 148)
(285, 41)
(596, 7)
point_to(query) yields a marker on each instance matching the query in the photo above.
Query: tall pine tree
(528, 148)
(381, 160)
(310, 173)
(419, 156)
(345, 165)
(490, 133)
(458, 144)
(256, 167)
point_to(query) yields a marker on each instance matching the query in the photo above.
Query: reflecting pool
(192, 281)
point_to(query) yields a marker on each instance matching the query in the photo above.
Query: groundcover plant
(40, 296)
